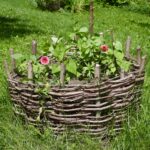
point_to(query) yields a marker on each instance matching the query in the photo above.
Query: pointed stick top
(138, 48)
(143, 61)
(91, 28)
(122, 75)
(101, 34)
(97, 71)
(34, 47)
(30, 71)
(128, 45)
(62, 74)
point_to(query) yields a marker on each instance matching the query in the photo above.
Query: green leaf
(125, 65)
(105, 61)
(87, 51)
(97, 41)
(118, 45)
(72, 36)
(110, 52)
(78, 74)
(17, 56)
(33, 58)
(59, 52)
(83, 30)
(71, 66)
(54, 39)
(51, 49)
(113, 69)
(55, 68)
(108, 73)
(119, 55)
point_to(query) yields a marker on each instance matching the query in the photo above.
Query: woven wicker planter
(94, 108)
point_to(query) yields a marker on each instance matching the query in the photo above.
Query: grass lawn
(20, 23)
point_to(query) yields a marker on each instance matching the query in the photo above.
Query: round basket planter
(94, 107)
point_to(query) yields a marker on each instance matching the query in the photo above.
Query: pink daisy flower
(104, 48)
(44, 60)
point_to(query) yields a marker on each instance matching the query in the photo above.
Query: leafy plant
(59, 49)
(91, 50)
(41, 72)
(79, 54)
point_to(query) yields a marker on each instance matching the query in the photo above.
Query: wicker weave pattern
(87, 108)
(91, 108)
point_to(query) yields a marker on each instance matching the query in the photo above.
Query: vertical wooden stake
(101, 34)
(13, 62)
(97, 76)
(34, 47)
(91, 28)
(97, 71)
(62, 74)
(30, 72)
(128, 45)
(122, 74)
(143, 60)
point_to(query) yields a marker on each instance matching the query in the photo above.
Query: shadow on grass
(143, 10)
(11, 27)
(145, 25)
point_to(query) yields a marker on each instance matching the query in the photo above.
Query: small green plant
(91, 50)
(79, 54)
